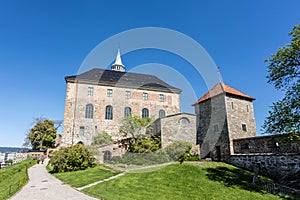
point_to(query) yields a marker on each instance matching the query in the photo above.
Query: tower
(223, 114)
(118, 65)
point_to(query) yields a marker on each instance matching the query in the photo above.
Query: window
(232, 107)
(107, 155)
(127, 112)
(216, 127)
(90, 91)
(145, 96)
(145, 113)
(247, 108)
(244, 127)
(184, 121)
(109, 112)
(89, 111)
(109, 92)
(161, 97)
(161, 113)
(81, 131)
(127, 94)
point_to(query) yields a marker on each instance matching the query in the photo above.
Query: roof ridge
(215, 91)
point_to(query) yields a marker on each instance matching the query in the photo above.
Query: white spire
(118, 65)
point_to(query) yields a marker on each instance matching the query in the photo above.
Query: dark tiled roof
(122, 79)
(221, 88)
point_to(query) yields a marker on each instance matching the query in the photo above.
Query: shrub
(178, 150)
(72, 158)
(146, 145)
(102, 138)
(142, 158)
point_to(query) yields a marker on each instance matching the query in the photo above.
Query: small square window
(244, 127)
(145, 96)
(81, 131)
(127, 94)
(109, 92)
(161, 97)
(90, 91)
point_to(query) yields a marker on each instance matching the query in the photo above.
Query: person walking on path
(44, 186)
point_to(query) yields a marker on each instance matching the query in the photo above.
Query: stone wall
(275, 156)
(177, 127)
(77, 98)
(113, 149)
(282, 168)
(275, 144)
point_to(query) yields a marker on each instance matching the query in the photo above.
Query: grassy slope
(13, 178)
(85, 177)
(186, 181)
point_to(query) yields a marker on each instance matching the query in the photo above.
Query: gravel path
(42, 185)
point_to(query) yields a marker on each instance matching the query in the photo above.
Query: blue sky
(43, 41)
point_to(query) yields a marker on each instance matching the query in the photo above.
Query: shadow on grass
(232, 177)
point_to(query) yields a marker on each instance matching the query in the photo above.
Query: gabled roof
(221, 88)
(111, 78)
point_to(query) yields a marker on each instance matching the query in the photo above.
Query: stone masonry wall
(239, 112)
(275, 144)
(74, 118)
(279, 167)
(178, 127)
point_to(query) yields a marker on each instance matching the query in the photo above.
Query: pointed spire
(118, 65)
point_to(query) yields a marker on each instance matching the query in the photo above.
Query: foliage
(146, 145)
(9, 161)
(178, 150)
(85, 177)
(134, 127)
(194, 157)
(284, 73)
(141, 158)
(14, 177)
(184, 181)
(42, 135)
(102, 138)
(71, 158)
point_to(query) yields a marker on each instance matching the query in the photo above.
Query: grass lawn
(13, 178)
(186, 181)
(85, 177)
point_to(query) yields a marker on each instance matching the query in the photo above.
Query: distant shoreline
(12, 149)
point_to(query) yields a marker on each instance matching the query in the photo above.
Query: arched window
(107, 155)
(161, 113)
(184, 121)
(145, 113)
(109, 112)
(127, 112)
(89, 111)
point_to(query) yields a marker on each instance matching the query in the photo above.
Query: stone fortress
(223, 128)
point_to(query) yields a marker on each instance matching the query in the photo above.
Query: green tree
(284, 74)
(73, 158)
(42, 135)
(102, 138)
(134, 127)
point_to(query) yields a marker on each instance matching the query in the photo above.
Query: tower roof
(118, 65)
(221, 88)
